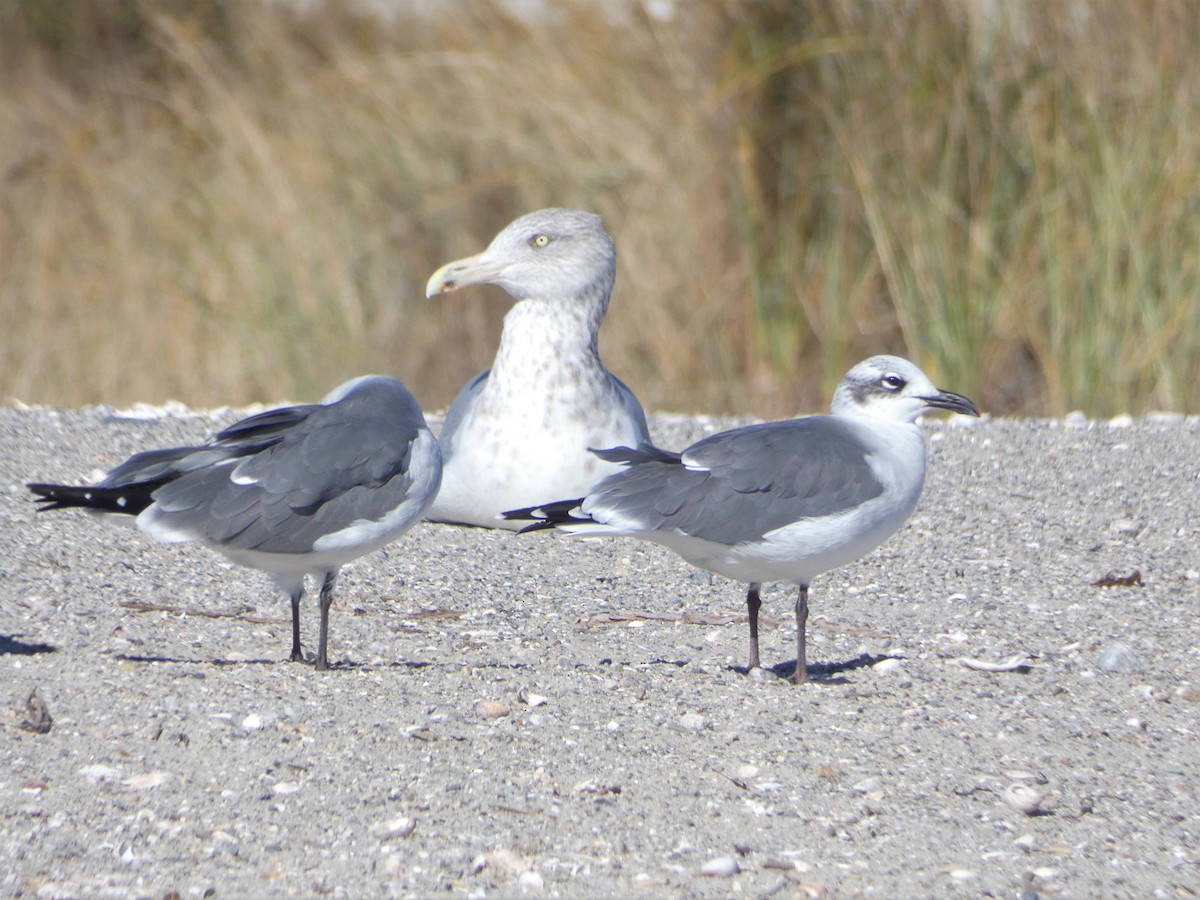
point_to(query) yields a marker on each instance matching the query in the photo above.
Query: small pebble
(692, 721)
(390, 867)
(1126, 526)
(503, 863)
(763, 676)
(891, 664)
(531, 883)
(401, 826)
(148, 780)
(93, 774)
(253, 722)
(491, 709)
(867, 785)
(1118, 657)
(721, 867)
(1023, 798)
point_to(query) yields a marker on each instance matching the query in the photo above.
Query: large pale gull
(296, 491)
(518, 434)
(781, 501)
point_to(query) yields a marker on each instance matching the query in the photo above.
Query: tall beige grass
(224, 202)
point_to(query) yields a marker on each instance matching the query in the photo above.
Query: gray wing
(633, 408)
(320, 472)
(741, 484)
(459, 410)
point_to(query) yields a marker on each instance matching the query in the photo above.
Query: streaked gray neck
(542, 336)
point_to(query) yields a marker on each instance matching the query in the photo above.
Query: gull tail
(549, 515)
(127, 500)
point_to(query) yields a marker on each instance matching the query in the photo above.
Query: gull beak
(476, 269)
(953, 402)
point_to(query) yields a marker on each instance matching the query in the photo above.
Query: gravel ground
(523, 715)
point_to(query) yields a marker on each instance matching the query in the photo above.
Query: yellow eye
(540, 240)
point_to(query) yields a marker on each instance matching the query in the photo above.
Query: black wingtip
(526, 512)
(532, 514)
(128, 500)
(47, 495)
(546, 516)
(538, 525)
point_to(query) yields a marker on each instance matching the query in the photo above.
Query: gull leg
(326, 602)
(801, 675)
(753, 602)
(296, 594)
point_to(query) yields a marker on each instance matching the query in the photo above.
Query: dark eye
(893, 382)
(540, 240)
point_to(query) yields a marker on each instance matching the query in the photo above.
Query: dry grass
(225, 202)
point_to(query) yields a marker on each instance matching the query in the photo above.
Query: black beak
(953, 402)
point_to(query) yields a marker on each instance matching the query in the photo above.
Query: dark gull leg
(326, 602)
(801, 675)
(753, 602)
(296, 656)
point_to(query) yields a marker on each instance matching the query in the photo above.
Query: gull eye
(893, 383)
(540, 240)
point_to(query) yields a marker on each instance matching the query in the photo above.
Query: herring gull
(519, 433)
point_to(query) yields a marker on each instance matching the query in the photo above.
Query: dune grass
(224, 202)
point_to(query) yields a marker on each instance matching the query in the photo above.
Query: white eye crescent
(893, 382)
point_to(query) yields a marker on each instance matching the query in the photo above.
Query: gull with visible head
(296, 491)
(518, 434)
(780, 501)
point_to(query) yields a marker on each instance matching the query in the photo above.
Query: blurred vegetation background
(224, 202)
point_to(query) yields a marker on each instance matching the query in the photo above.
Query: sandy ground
(536, 715)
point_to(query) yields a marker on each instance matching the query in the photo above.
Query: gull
(295, 491)
(518, 434)
(780, 501)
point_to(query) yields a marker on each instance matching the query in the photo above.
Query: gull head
(891, 388)
(551, 254)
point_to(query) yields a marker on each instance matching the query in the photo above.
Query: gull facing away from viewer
(296, 491)
(519, 433)
(780, 501)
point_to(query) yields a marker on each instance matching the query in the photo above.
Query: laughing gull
(296, 491)
(519, 434)
(781, 501)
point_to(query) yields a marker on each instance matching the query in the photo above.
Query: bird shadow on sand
(11, 646)
(827, 673)
(340, 666)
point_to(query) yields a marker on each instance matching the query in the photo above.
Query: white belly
(500, 465)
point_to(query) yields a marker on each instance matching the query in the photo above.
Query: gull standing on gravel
(519, 433)
(780, 501)
(296, 491)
